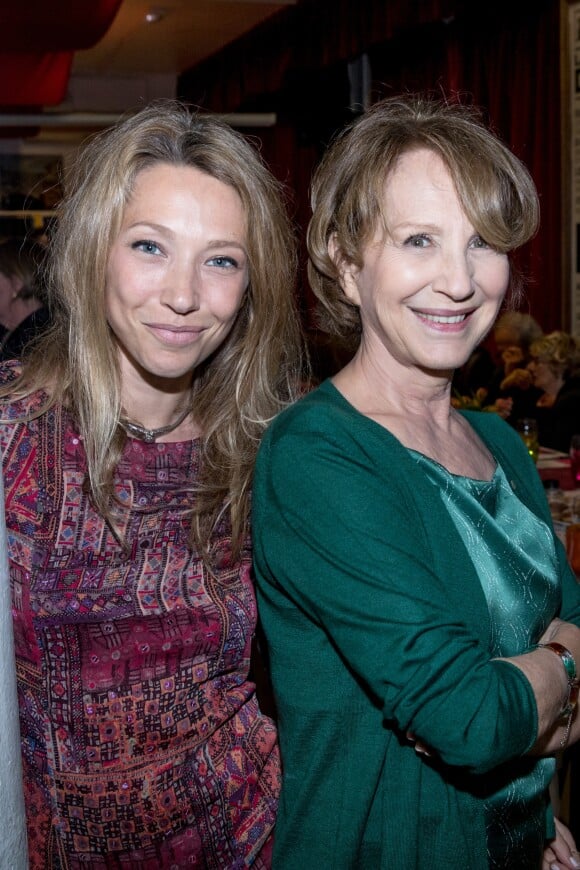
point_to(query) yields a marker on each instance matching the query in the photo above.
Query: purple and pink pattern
(143, 743)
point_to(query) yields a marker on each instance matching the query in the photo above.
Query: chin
(444, 366)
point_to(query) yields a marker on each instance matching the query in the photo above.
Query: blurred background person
(513, 334)
(554, 369)
(495, 375)
(23, 311)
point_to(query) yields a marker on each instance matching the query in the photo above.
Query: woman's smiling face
(177, 272)
(430, 287)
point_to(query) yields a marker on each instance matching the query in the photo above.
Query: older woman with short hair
(421, 618)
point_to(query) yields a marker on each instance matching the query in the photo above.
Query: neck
(152, 402)
(376, 390)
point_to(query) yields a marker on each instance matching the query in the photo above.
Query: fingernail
(574, 862)
(554, 867)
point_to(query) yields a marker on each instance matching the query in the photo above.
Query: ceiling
(67, 69)
(187, 32)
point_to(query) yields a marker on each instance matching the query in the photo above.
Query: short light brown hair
(493, 186)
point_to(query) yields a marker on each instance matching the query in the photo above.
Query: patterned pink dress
(143, 746)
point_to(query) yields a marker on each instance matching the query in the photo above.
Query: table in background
(553, 465)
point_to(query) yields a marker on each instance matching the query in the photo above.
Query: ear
(347, 271)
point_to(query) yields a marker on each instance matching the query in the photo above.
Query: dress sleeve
(348, 546)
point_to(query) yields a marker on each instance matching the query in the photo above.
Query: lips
(443, 318)
(177, 336)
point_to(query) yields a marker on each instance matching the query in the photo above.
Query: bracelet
(565, 655)
(571, 702)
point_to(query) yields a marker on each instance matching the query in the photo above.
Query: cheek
(226, 302)
(126, 288)
(497, 278)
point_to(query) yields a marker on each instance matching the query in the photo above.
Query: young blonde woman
(128, 442)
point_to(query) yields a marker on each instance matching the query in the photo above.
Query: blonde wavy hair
(493, 186)
(560, 351)
(251, 376)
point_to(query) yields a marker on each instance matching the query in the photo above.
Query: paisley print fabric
(143, 745)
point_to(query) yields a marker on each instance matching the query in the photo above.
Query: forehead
(506, 335)
(419, 172)
(167, 176)
(165, 192)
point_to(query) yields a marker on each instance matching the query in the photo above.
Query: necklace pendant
(149, 436)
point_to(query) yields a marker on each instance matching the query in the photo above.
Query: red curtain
(34, 79)
(508, 66)
(502, 56)
(37, 42)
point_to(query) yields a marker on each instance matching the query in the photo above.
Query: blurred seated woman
(513, 334)
(421, 617)
(23, 312)
(128, 439)
(554, 369)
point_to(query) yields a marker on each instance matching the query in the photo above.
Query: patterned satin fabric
(143, 744)
(513, 553)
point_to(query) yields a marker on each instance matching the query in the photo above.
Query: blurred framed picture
(30, 188)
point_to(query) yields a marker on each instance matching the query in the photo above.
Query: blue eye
(147, 246)
(478, 242)
(223, 262)
(420, 240)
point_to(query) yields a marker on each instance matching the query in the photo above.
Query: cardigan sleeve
(348, 547)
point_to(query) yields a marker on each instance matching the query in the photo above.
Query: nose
(181, 289)
(456, 277)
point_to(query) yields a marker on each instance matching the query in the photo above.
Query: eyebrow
(415, 225)
(226, 243)
(161, 228)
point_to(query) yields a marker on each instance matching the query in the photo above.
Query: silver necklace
(151, 435)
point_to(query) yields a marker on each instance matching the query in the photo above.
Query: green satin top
(514, 556)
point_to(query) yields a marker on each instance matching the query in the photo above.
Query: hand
(561, 853)
(565, 633)
(419, 747)
(503, 407)
(552, 630)
(546, 400)
(520, 378)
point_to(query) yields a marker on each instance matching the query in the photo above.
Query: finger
(562, 833)
(564, 847)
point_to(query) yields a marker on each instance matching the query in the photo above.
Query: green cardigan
(376, 624)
